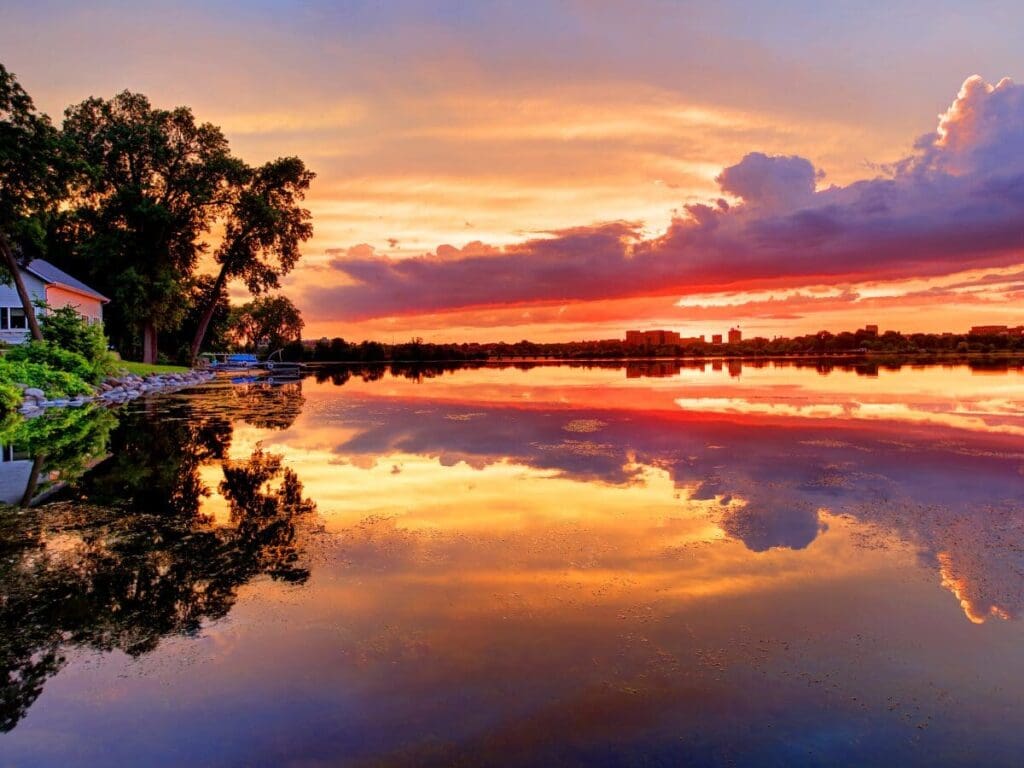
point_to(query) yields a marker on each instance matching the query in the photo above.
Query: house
(44, 282)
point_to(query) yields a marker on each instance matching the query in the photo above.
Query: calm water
(649, 565)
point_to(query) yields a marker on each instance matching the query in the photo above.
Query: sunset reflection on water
(575, 565)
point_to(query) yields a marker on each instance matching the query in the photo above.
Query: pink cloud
(957, 202)
(770, 183)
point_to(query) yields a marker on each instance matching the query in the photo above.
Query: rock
(35, 392)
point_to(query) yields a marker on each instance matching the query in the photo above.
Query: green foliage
(32, 182)
(150, 184)
(73, 357)
(125, 196)
(54, 382)
(266, 225)
(269, 322)
(69, 330)
(10, 395)
(48, 354)
(30, 172)
(204, 297)
(264, 228)
(145, 369)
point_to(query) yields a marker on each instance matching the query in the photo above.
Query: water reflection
(534, 564)
(38, 456)
(952, 494)
(125, 556)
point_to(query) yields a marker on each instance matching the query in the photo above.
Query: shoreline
(113, 390)
(876, 357)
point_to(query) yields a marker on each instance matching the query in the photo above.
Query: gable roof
(50, 275)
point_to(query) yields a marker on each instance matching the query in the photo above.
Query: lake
(651, 564)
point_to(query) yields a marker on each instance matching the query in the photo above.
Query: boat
(229, 361)
(273, 364)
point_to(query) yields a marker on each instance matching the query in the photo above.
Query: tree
(264, 228)
(270, 321)
(198, 299)
(147, 186)
(30, 183)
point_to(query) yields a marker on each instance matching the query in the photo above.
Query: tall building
(871, 330)
(657, 338)
(735, 336)
(716, 338)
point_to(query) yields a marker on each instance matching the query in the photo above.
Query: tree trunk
(26, 302)
(204, 323)
(149, 342)
(33, 480)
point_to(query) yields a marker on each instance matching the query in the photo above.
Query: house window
(4, 325)
(17, 318)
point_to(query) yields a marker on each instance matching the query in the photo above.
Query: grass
(144, 369)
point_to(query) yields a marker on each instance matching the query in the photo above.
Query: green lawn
(144, 369)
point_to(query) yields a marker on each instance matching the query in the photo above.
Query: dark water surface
(652, 565)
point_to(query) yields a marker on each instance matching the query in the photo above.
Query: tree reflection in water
(124, 556)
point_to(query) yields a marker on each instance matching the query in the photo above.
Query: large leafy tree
(149, 183)
(264, 228)
(267, 321)
(30, 184)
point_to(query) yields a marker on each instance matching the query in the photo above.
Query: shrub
(54, 382)
(48, 354)
(10, 397)
(68, 330)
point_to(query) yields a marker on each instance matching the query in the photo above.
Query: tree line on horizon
(128, 197)
(815, 344)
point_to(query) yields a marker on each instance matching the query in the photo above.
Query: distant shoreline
(863, 356)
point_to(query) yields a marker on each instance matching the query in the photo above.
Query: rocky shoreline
(113, 391)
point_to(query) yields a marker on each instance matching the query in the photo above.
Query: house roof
(50, 275)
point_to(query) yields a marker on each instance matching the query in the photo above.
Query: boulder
(35, 392)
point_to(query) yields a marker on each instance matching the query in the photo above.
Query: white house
(57, 288)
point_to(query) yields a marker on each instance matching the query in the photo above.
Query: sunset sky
(560, 170)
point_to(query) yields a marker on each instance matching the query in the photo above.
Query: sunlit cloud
(944, 208)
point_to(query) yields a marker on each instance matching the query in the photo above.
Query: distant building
(652, 368)
(716, 338)
(651, 338)
(735, 336)
(871, 330)
(990, 330)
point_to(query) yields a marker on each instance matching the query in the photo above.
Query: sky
(569, 170)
